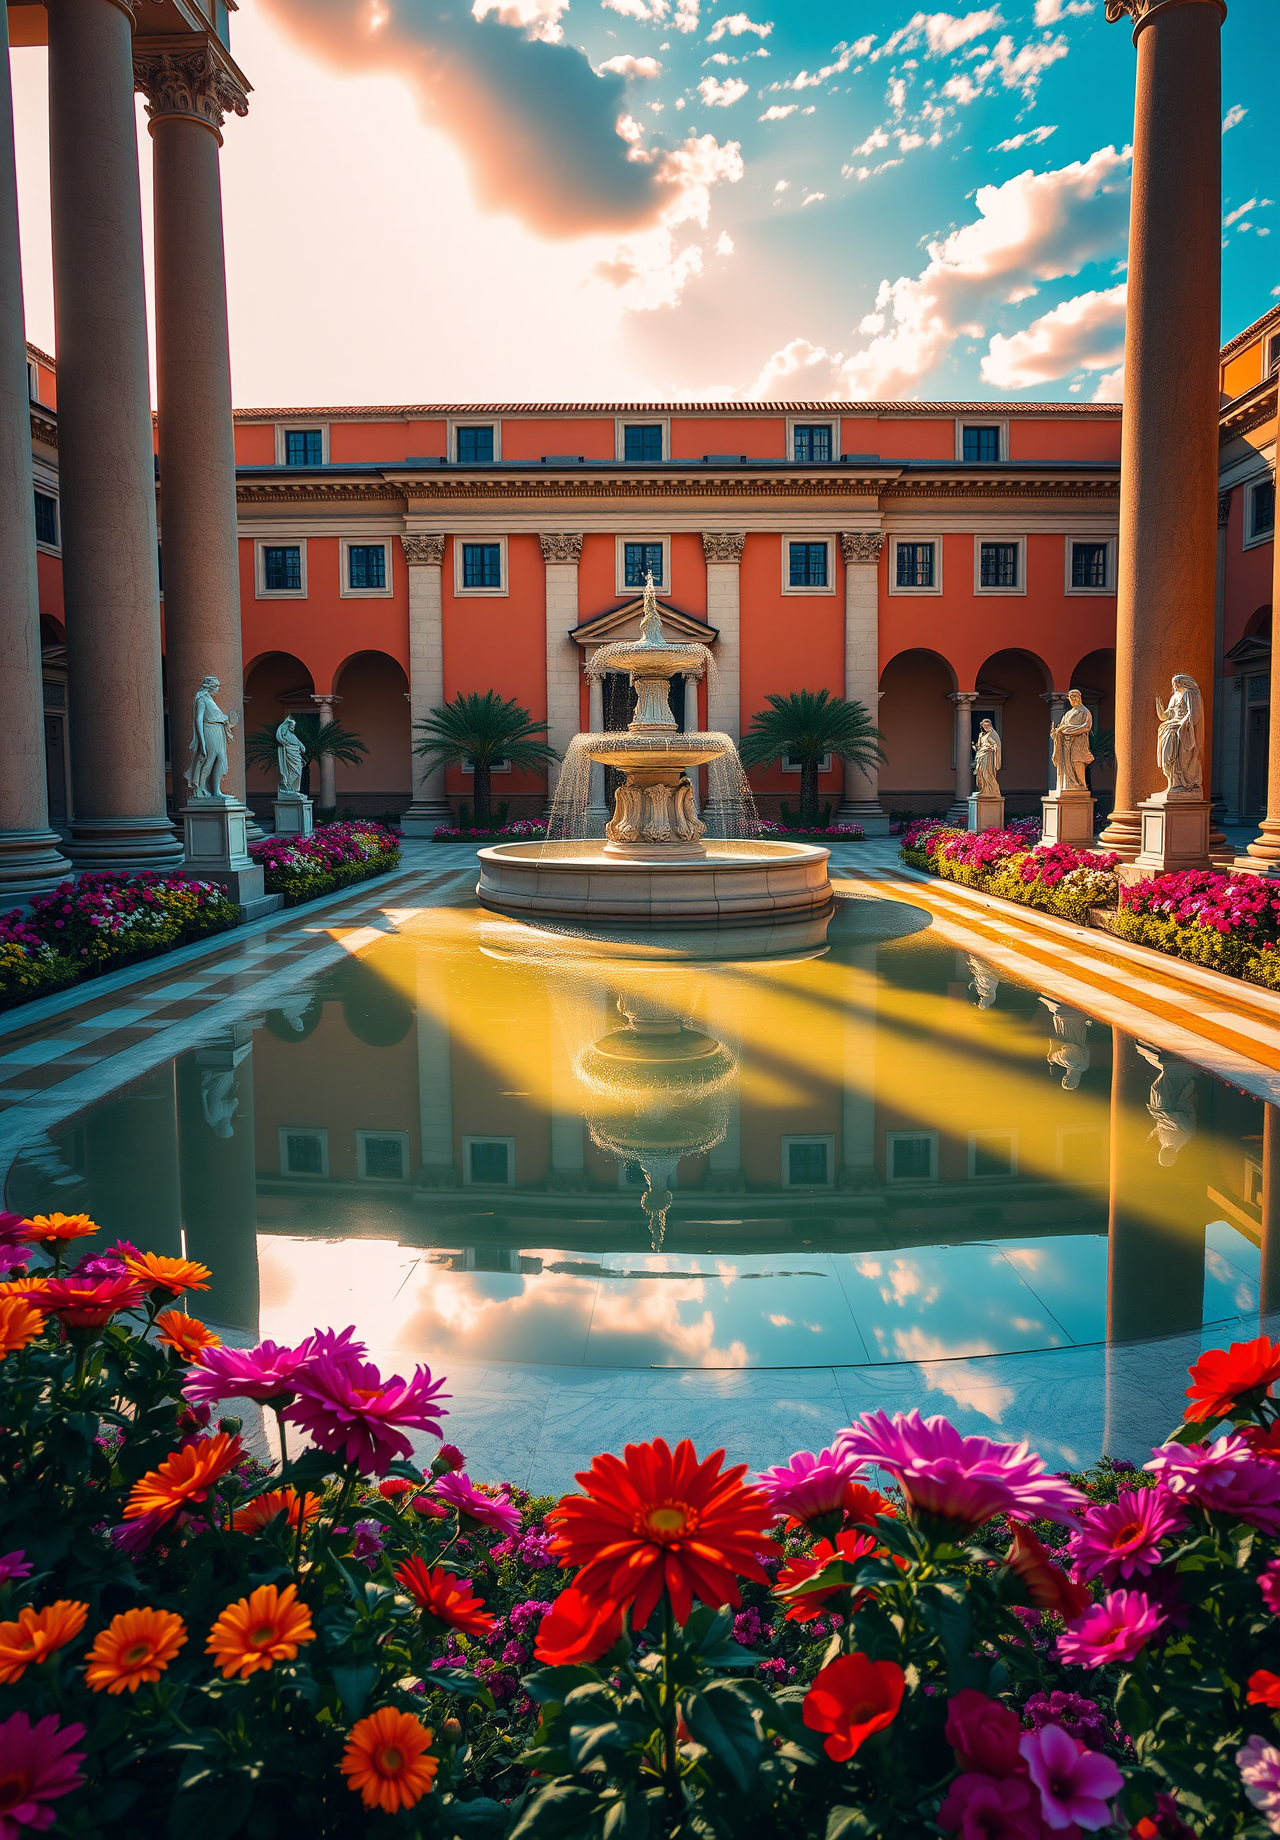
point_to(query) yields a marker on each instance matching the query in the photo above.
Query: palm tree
(804, 726)
(317, 739)
(482, 730)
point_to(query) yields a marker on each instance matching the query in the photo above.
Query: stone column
(723, 552)
(691, 727)
(861, 550)
(857, 1169)
(964, 701)
(219, 1175)
(1269, 1279)
(567, 1174)
(424, 557)
(1263, 855)
(1057, 701)
(437, 1168)
(561, 551)
(30, 860)
(328, 781)
(597, 810)
(106, 459)
(1169, 448)
(189, 84)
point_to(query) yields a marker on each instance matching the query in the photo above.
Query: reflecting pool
(482, 1143)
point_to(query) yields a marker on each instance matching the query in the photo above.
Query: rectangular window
(481, 563)
(1273, 354)
(637, 560)
(304, 1153)
(304, 447)
(998, 566)
(981, 444)
(811, 441)
(381, 1155)
(475, 443)
(281, 568)
(1088, 565)
(808, 565)
(46, 519)
(366, 565)
(992, 1153)
(806, 1165)
(1262, 506)
(913, 1156)
(489, 1160)
(915, 565)
(642, 441)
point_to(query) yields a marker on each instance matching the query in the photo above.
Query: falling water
(571, 819)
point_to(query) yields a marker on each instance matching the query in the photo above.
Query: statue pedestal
(1067, 817)
(215, 847)
(986, 812)
(293, 814)
(1175, 836)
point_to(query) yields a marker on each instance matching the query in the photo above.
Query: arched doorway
(1011, 688)
(276, 684)
(372, 698)
(917, 720)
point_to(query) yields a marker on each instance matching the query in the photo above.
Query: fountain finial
(650, 619)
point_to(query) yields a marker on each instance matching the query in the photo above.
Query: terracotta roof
(34, 351)
(1269, 318)
(829, 406)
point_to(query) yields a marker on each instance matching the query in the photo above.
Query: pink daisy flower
(266, 1373)
(37, 1765)
(811, 1489)
(959, 1480)
(349, 1410)
(1117, 1629)
(1224, 1477)
(1074, 1783)
(1269, 1585)
(16, 1230)
(1258, 1762)
(14, 1565)
(458, 1491)
(1121, 1537)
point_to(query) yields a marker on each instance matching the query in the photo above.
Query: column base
(1067, 817)
(215, 834)
(868, 813)
(123, 845)
(1175, 836)
(1123, 834)
(958, 813)
(425, 816)
(1262, 857)
(985, 812)
(31, 863)
(293, 815)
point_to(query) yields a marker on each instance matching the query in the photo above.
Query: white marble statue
(1180, 748)
(289, 758)
(987, 760)
(218, 1101)
(1171, 1102)
(294, 1010)
(986, 984)
(1069, 1049)
(1071, 753)
(210, 735)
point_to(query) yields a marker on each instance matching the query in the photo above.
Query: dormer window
(811, 441)
(304, 447)
(475, 443)
(981, 443)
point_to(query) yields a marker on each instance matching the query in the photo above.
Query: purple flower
(267, 1372)
(1074, 1783)
(1269, 1585)
(526, 1616)
(1224, 1477)
(1117, 1539)
(368, 1542)
(515, 1654)
(458, 1491)
(1079, 1717)
(108, 1264)
(981, 1805)
(14, 1229)
(134, 1537)
(961, 1481)
(349, 1410)
(1117, 1629)
(1258, 1762)
(749, 1626)
(534, 1550)
(13, 1566)
(811, 1488)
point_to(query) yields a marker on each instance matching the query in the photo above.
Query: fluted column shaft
(561, 552)
(862, 550)
(424, 558)
(106, 462)
(597, 809)
(964, 701)
(1264, 851)
(723, 552)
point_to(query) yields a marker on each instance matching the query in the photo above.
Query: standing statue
(210, 734)
(1069, 1049)
(1180, 748)
(1171, 1102)
(1071, 753)
(218, 1101)
(986, 760)
(289, 757)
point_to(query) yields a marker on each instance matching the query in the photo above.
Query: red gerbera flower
(88, 1304)
(1264, 1689)
(654, 1520)
(851, 1699)
(1224, 1375)
(1046, 1584)
(441, 1595)
(850, 1546)
(575, 1630)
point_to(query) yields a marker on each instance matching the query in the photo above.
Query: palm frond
(807, 724)
(483, 728)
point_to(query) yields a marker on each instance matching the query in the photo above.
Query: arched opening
(374, 704)
(276, 684)
(1011, 686)
(917, 720)
(1095, 678)
(57, 753)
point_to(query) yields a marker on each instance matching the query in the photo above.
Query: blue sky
(629, 198)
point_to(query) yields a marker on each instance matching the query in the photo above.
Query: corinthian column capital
(561, 545)
(192, 78)
(861, 545)
(1141, 11)
(723, 545)
(420, 551)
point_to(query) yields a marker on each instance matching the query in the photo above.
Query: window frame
(999, 423)
(808, 537)
(1270, 354)
(1005, 1175)
(622, 422)
(362, 1170)
(465, 593)
(915, 536)
(40, 490)
(286, 1131)
(824, 765)
(301, 425)
(495, 766)
(345, 591)
(620, 561)
(813, 421)
(1003, 537)
(1072, 538)
(826, 1139)
(261, 592)
(469, 1140)
(1251, 486)
(893, 1137)
(455, 422)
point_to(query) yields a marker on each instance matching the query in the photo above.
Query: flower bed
(1229, 922)
(331, 856)
(821, 833)
(527, 828)
(100, 922)
(355, 1643)
(1056, 877)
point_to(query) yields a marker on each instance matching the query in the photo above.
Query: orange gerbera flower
(186, 1335)
(33, 1287)
(388, 1760)
(852, 1698)
(20, 1323)
(88, 1303)
(442, 1595)
(1224, 1375)
(656, 1520)
(49, 1228)
(156, 1273)
(263, 1509)
(185, 1476)
(38, 1633)
(259, 1630)
(135, 1646)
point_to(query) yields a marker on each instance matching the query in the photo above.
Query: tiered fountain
(655, 864)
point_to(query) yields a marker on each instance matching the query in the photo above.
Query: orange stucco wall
(499, 643)
(789, 642)
(761, 437)
(1248, 582)
(590, 436)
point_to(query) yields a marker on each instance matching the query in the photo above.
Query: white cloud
(1111, 387)
(783, 185)
(907, 143)
(686, 19)
(737, 24)
(896, 94)
(779, 111)
(1240, 210)
(627, 66)
(724, 244)
(962, 89)
(1049, 12)
(800, 370)
(1084, 334)
(1034, 137)
(941, 33)
(648, 12)
(1023, 70)
(846, 54)
(813, 198)
(540, 18)
(719, 95)
(652, 270)
(1233, 117)
(874, 142)
(867, 172)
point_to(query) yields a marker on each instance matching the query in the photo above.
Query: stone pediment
(624, 623)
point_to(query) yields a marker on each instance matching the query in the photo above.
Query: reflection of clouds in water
(653, 1311)
(1243, 1293)
(781, 1322)
(464, 1306)
(868, 1268)
(1026, 1258)
(906, 1282)
(1026, 1325)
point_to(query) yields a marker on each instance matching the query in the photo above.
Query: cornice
(1004, 488)
(43, 429)
(1246, 337)
(313, 493)
(1248, 412)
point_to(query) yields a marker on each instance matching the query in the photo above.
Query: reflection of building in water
(1069, 1048)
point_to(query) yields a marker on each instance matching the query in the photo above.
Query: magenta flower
(811, 1489)
(1074, 1783)
(1269, 1585)
(14, 1565)
(1117, 1629)
(959, 1480)
(1117, 1539)
(14, 1230)
(108, 1264)
(37, 1765)
(11, 1256)
(458, 1491)
(1259, 1765)
(983, 1808)
(1224, 1477)
(349, 1410)
(266, 1373)
(448, 1457)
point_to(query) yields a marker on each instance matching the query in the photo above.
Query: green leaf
(847, 1824)
(354, 1684)
(455, 1680)
(708, 1634)
(555, 1682)
(724, 1720)
(477, 1820)
(559, 1809)
(586, 1742)
(628, 1817)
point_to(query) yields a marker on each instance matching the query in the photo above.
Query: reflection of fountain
(654, 865)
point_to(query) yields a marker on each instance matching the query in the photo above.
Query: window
(911, 1156)
(993, 1153)
(282, 568)
(642, 441)
(982, 444)
(500, 765)
(807, 565)
(791, 763)
(1262, 509)
(304, 447)
(806, 1162)
(811, 441)
(366, 565)
(303, 1152)
(998, 565)
(489, 1161)
(33, 381)
(1273, 355)
(382, 1156)
(1089, 565)
(46, 519)
(481, 563)
(475, 443)
(637, 560)
(915, 565)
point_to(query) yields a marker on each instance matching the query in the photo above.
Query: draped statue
(1171, 1102)
(210, 735)
(986, 760)
(1071, 753)
(1180, 747)
(289, 757)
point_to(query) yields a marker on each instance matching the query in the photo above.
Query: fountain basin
(747, 883)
